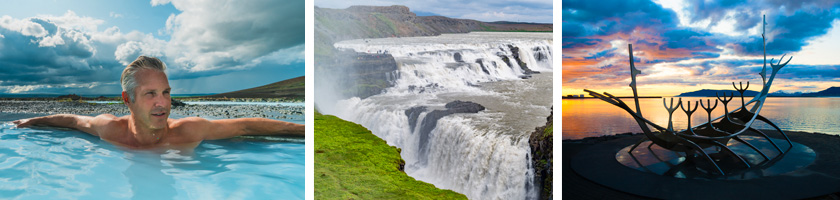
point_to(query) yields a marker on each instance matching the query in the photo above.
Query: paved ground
(822, 175)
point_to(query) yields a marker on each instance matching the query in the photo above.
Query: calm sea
(593, 117)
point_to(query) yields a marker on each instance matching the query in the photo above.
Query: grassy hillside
(352, 163)
(290, 89)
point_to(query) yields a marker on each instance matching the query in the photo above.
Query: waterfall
(483, 155)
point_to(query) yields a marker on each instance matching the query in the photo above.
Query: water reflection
(668, 163)
(593, 117)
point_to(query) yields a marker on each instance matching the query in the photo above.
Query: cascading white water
(483, 155)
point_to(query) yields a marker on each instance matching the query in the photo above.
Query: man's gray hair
(128, 78)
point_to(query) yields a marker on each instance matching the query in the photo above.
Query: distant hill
(830, 92)
(711, 93)
(291, 88)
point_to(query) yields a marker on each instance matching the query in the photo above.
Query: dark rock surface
(429, 122)
(357, 74)
(73, 97)
(176, 103)
(413, 113)
(522, 65)
(542, 153)
(576, 186)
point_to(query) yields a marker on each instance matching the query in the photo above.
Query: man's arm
(227, 128)
(78, 122)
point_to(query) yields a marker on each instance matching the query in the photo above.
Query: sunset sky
(683, 46)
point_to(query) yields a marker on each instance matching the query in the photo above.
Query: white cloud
(72, 21)
(160, 2)
(25, 27)
(115, 15)
(52, 40)
(210, 35)
(127, 52)
(21, 88)
(27, 88)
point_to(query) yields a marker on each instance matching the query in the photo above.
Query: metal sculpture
(715, 132)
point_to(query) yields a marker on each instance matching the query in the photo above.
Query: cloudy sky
(682, 46)
(539, 11)
(209, 46)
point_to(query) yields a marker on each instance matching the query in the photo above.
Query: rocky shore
(215, 111)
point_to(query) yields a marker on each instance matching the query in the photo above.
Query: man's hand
(78, 122)
(21, 123)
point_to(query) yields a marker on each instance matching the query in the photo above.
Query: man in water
(146, 93)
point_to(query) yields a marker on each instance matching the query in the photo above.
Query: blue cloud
(579, 42)
(602, 54)
(610, 17)
(810, 72)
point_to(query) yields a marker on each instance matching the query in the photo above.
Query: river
(483, 155)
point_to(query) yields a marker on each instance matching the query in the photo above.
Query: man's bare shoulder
(109, 120)
(108, 124)
(189, 125)
(188, 122)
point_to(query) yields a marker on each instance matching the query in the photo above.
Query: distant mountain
(291, 88)
(711, 93)
(830, 92)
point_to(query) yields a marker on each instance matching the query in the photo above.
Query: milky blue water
(49, 163)
(222, 103)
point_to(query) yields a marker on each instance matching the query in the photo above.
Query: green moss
(352, 163)
(549, 130)
(388, 22)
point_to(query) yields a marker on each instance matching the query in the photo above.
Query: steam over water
(483, 155)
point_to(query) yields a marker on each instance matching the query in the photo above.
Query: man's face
(152, 103)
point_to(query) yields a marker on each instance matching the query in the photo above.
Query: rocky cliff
(541, 157)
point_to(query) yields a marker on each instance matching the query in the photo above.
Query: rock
(481, 64)
(458, 58)
(176, 103)
(541, 141)
(429, 122)
(73, 97)
(464, 107)
(522, 65)
(413, 113)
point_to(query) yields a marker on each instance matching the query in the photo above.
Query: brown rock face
(541, 142)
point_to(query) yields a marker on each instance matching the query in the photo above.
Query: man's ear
(125, 97)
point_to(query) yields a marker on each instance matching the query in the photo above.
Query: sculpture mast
(764, 44)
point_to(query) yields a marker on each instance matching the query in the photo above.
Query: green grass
(549, 130)
(352, 163)
(387, 22)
